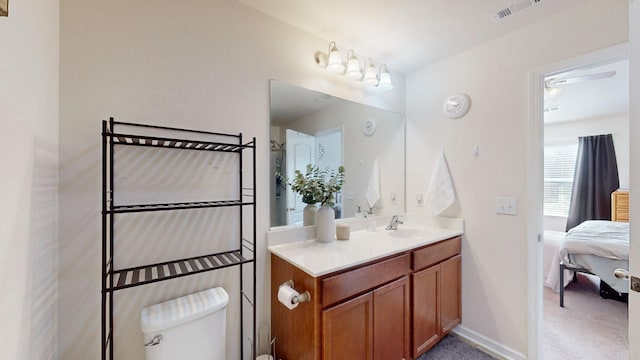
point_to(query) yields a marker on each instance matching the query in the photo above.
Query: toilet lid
(182, 310)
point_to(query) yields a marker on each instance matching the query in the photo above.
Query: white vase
(309, 214)
(326, 224)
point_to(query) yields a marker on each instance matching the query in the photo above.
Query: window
(559, 166)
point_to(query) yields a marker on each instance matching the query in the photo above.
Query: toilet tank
(189, 327)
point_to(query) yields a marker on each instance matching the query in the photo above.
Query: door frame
(535, 184)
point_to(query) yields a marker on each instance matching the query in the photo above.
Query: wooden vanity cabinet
(361, 313)
(371, 326)
(436, 294)
(389, 309)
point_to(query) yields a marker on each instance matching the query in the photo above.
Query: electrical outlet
(349, 195)
(506, 206)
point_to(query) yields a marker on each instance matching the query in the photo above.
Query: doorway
(548, 191)
(583, 102)
(297, 150)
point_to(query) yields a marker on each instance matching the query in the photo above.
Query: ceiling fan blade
(575, 79)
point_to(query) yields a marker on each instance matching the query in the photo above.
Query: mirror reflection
(309, 127)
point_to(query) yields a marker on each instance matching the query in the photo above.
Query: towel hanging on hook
(440, 193)
(373, 189)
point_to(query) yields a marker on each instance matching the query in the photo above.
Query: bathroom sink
(408, 233)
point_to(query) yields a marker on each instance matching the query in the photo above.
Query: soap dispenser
(359, 213)
(371, 220)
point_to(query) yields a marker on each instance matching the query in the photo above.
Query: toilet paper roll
(286, 294)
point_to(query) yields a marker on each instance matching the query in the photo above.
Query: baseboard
(488, 345)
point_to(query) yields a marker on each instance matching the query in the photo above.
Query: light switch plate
(506, 206)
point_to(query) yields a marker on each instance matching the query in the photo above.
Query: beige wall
(206, 66)
(634, 176)
(495, 75)
(29, 44)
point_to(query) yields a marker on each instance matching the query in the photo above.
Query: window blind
(559, 166)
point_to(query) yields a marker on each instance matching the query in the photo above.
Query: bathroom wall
(205, 65)
(496, 77)
(634, 171)
(617, 125)
(29, 48)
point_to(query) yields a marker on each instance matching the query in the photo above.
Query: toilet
(190, 327)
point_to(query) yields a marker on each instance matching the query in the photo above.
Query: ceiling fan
(552, 85)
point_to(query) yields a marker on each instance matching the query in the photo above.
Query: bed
(597, 247)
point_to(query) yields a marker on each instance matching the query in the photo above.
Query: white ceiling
(406, 34)
(590, 98)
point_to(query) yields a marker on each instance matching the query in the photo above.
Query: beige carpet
(588, 327)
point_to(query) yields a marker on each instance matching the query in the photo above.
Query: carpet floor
(588, 327)
(453, 348)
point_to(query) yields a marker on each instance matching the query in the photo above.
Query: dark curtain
(595, 178)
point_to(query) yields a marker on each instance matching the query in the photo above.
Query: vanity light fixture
(384, 79)
(332, 61)
(370, 78)
(353, 66)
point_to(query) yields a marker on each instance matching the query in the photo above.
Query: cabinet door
(450, 299)
(348, 330)
(426, 309)
(391, 326)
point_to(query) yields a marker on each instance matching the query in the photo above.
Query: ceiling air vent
(503, 13)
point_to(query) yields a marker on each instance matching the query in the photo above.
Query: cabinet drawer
(339, 287)
(622, 215)
(622, 200)
(435, 253)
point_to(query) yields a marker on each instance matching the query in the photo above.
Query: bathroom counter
(318, 259)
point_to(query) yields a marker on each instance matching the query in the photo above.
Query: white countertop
(317, 259)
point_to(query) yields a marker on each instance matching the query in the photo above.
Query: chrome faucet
(393, 225)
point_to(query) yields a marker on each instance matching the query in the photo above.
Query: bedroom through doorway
(586, 104)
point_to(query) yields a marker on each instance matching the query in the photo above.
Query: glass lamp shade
(353, 66)
(334, 61)
(370, 77)
(385, 78)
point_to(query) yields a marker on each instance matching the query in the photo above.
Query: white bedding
(551, 260)
(602, 238)
(598, 246)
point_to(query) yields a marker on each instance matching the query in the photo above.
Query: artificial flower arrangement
(318, 185)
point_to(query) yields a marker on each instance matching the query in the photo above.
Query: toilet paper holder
(303, 297)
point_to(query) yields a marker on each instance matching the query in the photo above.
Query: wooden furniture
(436, 298)
(620, 205)
(242, 253)
(365, 312)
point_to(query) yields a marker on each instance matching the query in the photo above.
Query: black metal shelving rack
(114, 279)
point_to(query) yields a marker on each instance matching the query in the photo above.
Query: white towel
(373, 189)
(440, 194)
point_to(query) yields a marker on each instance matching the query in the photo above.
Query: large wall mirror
(308, 127)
